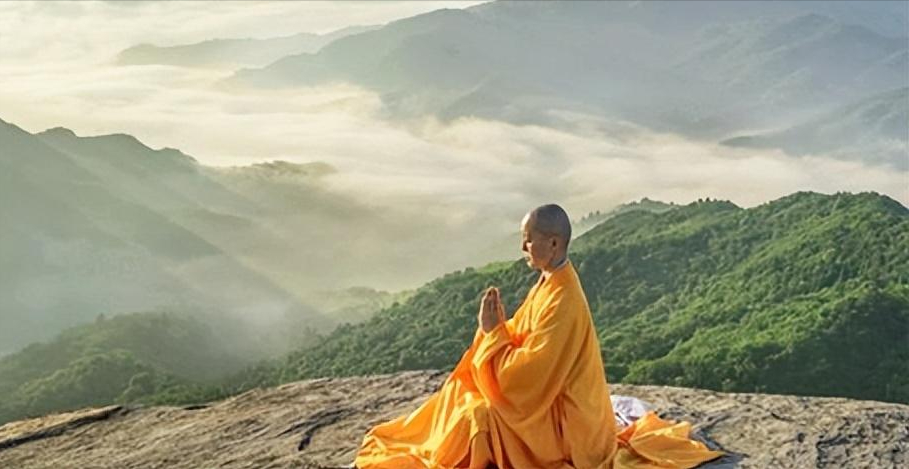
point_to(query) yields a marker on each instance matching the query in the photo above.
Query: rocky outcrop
(320, 423)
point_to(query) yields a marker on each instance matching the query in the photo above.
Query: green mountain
(152, 357)
(118, 359)
(807, 294)
(592, 219)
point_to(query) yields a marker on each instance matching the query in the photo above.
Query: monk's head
(546, 232)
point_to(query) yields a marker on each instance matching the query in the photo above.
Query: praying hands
(492, 312)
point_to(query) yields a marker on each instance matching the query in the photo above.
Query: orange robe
(530, 394)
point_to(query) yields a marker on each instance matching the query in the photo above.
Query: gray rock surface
(320, 423)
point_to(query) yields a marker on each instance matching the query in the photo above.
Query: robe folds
(530, 394)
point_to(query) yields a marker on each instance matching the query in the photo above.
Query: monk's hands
(492, 311)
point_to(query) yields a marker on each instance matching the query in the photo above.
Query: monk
(530, 392)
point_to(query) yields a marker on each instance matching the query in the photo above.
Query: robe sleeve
(522, 381)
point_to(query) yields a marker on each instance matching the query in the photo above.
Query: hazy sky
(57, 71)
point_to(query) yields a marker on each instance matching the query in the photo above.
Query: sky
(62, 74)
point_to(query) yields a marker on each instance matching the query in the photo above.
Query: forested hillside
(807, 294)
(120, 359)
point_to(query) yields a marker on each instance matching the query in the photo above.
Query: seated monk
(530, 392)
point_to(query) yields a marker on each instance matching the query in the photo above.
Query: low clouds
(467, 176)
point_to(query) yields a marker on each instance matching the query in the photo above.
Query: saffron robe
(530, 394)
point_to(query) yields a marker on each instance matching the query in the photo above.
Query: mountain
(807, 294)
(258, 214)
(355, 304)
(232, 53)
(688, 17)
(156, 356)
(591, 220)
(781, 298)
(781, 56)
(871, 130)
(123, 359)
(319, 424)
(344, 241)
(700, 68)
(105, 225)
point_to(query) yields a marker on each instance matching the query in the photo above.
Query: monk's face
(539, 249)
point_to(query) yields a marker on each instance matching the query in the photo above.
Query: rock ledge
(319, 424)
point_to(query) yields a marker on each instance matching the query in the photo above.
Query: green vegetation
(593, 219)
(807, 294)
(126, 358)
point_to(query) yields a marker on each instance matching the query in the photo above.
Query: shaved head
(550, 220)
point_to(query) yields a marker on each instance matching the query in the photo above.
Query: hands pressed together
(492, 311)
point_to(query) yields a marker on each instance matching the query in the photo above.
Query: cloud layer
(469, 172)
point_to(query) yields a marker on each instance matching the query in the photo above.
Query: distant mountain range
(873, 130)
(106, 225)
(232, 53)
(703, 69)
(821, 77)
